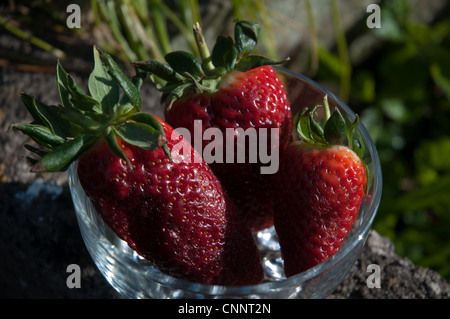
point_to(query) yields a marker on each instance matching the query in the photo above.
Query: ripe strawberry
(321, 184)
(230, 89)
(168, 207)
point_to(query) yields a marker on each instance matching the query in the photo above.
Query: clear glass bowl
(133, 277)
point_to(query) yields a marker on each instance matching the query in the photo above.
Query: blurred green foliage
(403, 97)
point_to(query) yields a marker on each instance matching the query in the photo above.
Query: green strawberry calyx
(332, 130)
(68, 130)
(185, 72)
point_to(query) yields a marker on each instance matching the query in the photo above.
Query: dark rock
(39, 238)
(399, 277)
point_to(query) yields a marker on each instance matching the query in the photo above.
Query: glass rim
(349, 244)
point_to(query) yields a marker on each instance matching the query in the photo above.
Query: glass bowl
(133, 277)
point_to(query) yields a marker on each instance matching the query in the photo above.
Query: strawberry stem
(205, 55)
(327, 112)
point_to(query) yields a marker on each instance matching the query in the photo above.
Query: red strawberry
(168, 207)
(230, 90)
(322, 186)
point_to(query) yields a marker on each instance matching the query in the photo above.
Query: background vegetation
(396, 77)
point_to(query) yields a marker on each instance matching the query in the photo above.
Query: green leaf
(139, 134)
(62, 156)
(86, 123)
(153, 122)
(111, 138)
(350, 130)
(316, 130)
(49, 116)
(246, 35)
(139, 78)
(80, 99)
(38, 151)
(255, 61)
(301, 124)
(183, 62)
(358, 148)
(125, 106)
(224, 54)
(102, 86)
(31, 107)
(40, 134)
(335, 129)
(125, 109)
(167, 151)
(73, 86)
(159, 69)
(178, 92)
(38, 111)
(63, 85)
(130, 90)
(150, 120)
(56, 123)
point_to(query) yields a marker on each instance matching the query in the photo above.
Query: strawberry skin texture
(321, 190)
(252, 99)
(172, 212)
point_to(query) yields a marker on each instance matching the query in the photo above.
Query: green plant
(139, 30)
(403, 96)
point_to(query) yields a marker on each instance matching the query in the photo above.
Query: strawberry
(322, 183)
(168, 207)
(230, 89)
